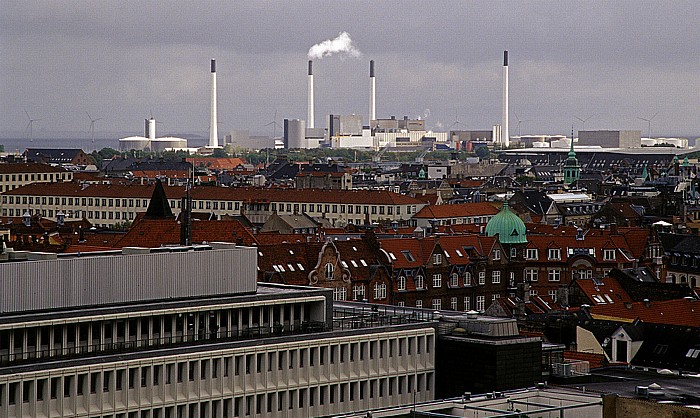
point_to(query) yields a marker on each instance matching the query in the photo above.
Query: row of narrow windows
(418, 384)
(61, 340)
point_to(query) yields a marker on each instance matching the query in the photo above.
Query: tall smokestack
(310, 111)
(505, 134)
(372, 93)
(213, 128)
(152, 129)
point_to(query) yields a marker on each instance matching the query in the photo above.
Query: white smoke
(342, 44)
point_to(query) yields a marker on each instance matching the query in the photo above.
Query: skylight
(344, 263)
(392, 256)
(301, 268)
(362, 261)
(459, 253)
(354, 264)
(291, 267)
(408, 255)
(291, 252)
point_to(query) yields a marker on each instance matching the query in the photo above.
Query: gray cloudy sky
(120, 61)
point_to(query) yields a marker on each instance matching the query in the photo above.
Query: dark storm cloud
(122, 60)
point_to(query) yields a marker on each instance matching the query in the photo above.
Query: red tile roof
(457, 210)
(396, 246)
(599, 290)
(595, 361)
(682, 312)
(214, 163)
(157, 232)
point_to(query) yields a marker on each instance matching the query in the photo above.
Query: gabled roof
(158, 232)
(457, 210)
(158, 207)
(602, 291)
(54, 155)
(681, 312)
(403, 252)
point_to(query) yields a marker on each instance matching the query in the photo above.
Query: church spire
(572, 169)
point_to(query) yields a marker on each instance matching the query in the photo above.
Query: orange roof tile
(683, 312)
(157, 232)
(457, 210)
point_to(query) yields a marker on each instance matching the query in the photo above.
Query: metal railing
(177, 340)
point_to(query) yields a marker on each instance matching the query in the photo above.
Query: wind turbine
(648, 121)
(583, 121)
(457, 122)
(30, 125)
(92, 126)
(519, 122)
(274, 125)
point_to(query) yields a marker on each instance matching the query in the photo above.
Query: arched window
(329, 271)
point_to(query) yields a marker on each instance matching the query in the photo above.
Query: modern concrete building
(187, 332)
(611, 139)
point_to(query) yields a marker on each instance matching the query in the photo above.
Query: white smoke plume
(342, 44)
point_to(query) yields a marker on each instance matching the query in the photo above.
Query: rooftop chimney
(310, 110)
(505, 135)
(213, 128)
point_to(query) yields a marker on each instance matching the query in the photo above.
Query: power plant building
(611, 139)
(187, 332)
(149, 142)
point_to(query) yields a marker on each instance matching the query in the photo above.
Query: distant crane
(92, 126)
(648, 121)
(30, 126)
(378, 156)
(583, 121)
(421, 157)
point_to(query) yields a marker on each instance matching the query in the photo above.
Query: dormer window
(609, 255)
(496, 255)
(555, 254)
(437, 259)
(531, 254)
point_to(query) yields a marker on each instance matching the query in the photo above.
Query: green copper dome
(509, 227)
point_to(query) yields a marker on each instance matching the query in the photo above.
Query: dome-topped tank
(509, 227)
